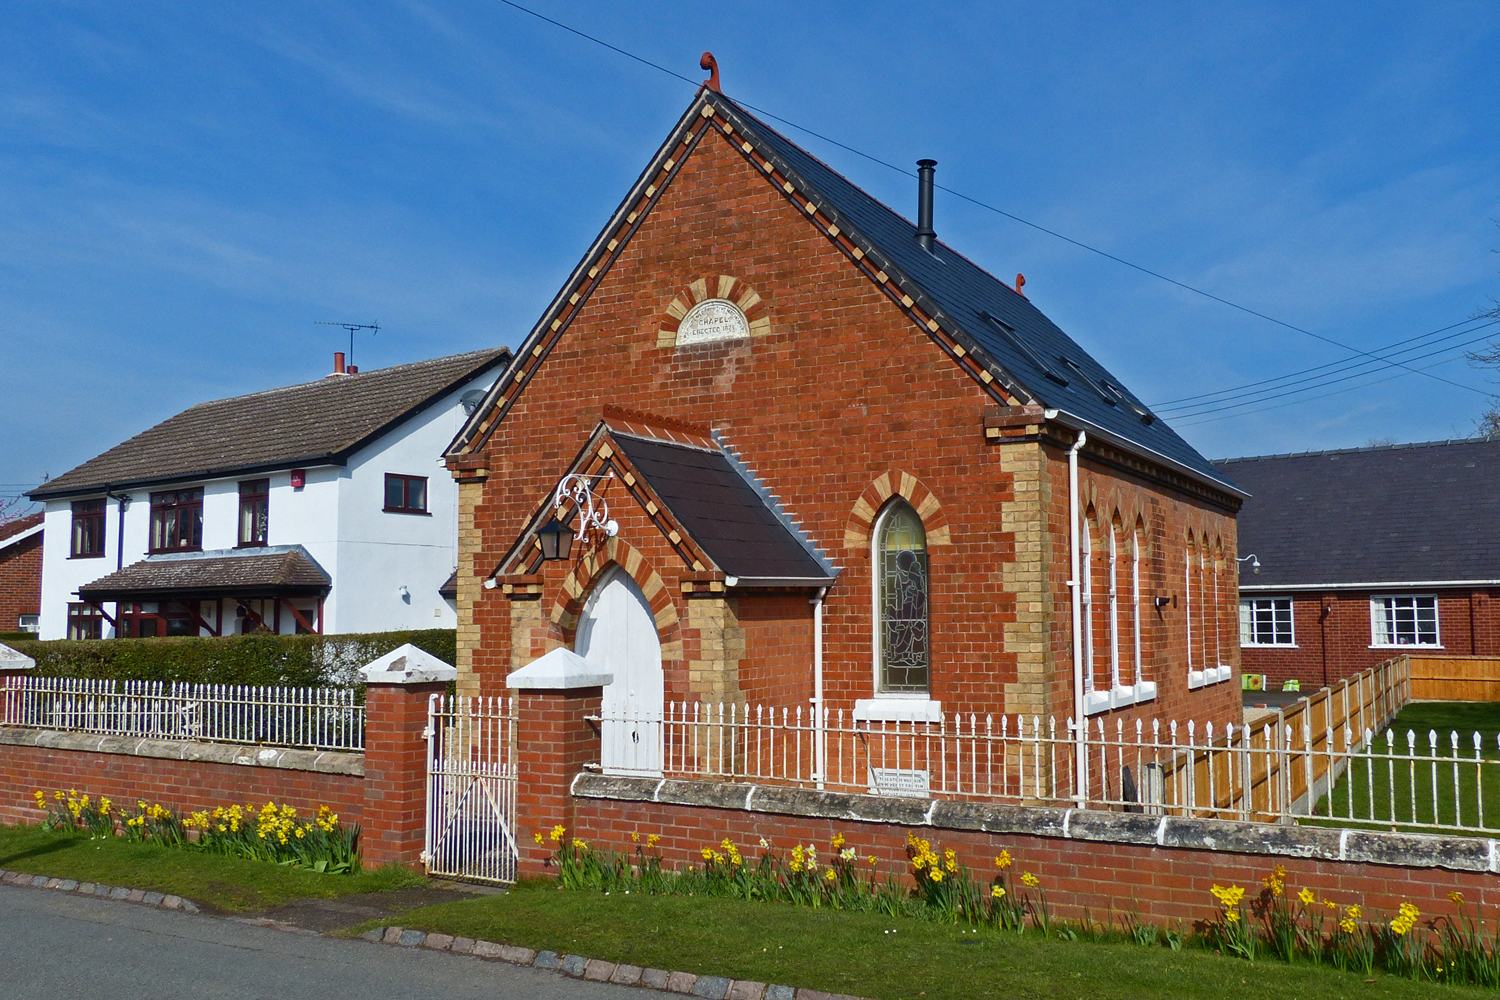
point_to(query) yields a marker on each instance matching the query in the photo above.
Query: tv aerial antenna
(373, 326)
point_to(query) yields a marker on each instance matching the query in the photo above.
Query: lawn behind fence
(1394, 794)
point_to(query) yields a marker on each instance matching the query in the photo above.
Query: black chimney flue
(925, 235)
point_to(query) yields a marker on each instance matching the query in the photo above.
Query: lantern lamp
(556, 539)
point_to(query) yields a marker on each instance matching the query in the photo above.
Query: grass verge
(844, 952)
(227, 884)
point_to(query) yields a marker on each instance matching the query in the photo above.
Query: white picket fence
(311, 717)
(1331, 758)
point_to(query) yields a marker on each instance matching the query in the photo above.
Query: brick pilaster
(556, 741)
(396, 771)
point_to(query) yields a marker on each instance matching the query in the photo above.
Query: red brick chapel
(826, 437)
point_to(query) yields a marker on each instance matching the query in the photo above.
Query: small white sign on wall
(712, 320)
(900, 782)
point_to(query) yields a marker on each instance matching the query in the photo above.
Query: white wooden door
(618, 632)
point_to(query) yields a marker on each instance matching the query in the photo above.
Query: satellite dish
(471, 400)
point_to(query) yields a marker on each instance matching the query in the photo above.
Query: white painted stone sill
(1214, 675)
(1123, 696)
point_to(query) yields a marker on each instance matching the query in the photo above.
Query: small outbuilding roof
(736, 525)
(1422, 514)
(274, 571)
(315, 423)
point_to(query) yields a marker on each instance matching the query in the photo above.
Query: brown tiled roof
(313, 423)
(20, 524)
(277, 571)
(449, 589)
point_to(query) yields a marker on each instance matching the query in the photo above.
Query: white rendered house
(321, 507)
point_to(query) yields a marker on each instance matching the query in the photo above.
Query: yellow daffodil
(1003, 861)
(830, 875)
(936, 874)
(1030, 880)
(997, 891)
(837, 841)
(635, 838)
(1457, 898)
(558, 831)
(652, 840)
(1306, 897)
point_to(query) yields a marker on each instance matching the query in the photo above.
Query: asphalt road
(55, 945)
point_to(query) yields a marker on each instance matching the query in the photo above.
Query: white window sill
(1269, 645)
(1213, 675)
(1403, 645)
(898, 710)
(1123, 696)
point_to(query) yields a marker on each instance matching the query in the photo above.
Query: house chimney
(925, 235)
(338, 364)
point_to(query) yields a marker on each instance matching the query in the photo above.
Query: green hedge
(292, 660)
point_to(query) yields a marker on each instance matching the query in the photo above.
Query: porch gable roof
(273, 571)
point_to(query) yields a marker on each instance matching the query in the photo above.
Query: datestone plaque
(712, 320)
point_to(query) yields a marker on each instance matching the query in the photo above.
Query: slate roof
(449, 589)
(316, 423)
(1043, 363)
(721, 509)
(274, 571)
(1013, 331)
(1413, 513)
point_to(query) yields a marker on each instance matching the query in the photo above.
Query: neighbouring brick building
(1366, 553)
(21, 573)
(799, 406)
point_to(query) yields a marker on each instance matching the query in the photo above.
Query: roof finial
(1020, 283)
(711, 64)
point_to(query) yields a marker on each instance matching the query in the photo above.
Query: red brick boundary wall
(1113, 865)
(181, 776)
(384, 790)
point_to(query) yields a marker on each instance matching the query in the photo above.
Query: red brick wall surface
(1109, 880)
(395, 783)
(1337, 645)
(555, 741)
(20, 578)
(842, 389)
(182, 786)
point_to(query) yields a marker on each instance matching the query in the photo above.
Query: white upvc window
(1266, 621)
(1404, 620)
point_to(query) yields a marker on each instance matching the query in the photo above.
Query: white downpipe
(820, 728)
(1080, 768)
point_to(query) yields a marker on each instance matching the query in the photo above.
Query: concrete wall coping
(1412, 850)
(406, 664)
(560, 670)
(321, 761)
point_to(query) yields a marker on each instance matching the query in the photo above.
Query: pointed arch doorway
(617, 631)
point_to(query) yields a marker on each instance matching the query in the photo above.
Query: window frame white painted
(1118, 694)
(1247, 623)
(866, 708)
(1377, 615)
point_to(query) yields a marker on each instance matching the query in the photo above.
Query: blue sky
(186, 188)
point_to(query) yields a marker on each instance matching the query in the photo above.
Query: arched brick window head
(903, 647)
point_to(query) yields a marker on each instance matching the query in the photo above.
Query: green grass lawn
(853, 953)
(1399, 793)
(226, 884)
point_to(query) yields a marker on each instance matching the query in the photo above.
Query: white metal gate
(471, 788)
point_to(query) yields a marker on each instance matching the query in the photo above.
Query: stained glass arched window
(901, 601)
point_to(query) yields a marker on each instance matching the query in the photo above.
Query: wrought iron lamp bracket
(593, 512)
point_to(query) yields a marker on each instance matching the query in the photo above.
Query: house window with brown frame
(405, 494)
(177, 521)
(255, 512)
(88, 529)
(85, 622)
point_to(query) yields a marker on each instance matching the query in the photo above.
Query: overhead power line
(1313, 386)
(993, 208)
